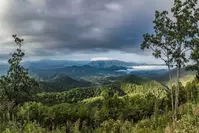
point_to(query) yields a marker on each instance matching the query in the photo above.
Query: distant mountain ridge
(110, 63)
(50, 64)
(75, 71)
(46, 69)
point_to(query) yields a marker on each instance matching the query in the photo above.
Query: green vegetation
(173, 38)
(63, 83)
(128, 105)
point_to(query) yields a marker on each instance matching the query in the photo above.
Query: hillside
(125, 85)
(63, 83)
(76, 71)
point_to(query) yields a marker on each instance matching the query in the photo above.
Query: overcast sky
(79, 29)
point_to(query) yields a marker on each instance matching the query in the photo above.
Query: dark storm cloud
(53, 27)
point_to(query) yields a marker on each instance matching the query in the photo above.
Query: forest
(130, 104)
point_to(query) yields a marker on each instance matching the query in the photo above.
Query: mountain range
(76, 71)
(64, 74)
(53, 64)
(110, 63)
(47, 69)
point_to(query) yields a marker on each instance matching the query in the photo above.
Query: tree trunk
(11, 110)
(156, 111)
(172, 100)
(10, 115)
(177, 91)
(68, 127)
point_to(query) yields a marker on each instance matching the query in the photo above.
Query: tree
(195, 58)
(17, 86)
(186, 17)
(161, 42)
(174, 37)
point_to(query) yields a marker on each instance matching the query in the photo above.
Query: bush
(112, 126)
(185, 125)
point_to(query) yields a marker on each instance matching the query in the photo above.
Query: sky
(79, 29)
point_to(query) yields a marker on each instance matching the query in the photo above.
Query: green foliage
(17, 87)
(174, 37)
(128, 108)
(185, 125)
(195, 57)
(71, 96)
(63, 83)
(93, 111)
(161, 43)
(31, 111)
(192, 90)
(76, 127)
(128, 85)
(112, 126)
(13, 127)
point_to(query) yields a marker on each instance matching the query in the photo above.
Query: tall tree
(174, 36)
(186, 16)
(17, 86)
(161, 42)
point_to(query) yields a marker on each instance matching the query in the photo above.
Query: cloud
(114, 6)
(100, 58)
(62, 27)
(144, 68)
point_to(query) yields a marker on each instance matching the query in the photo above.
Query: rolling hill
(63, 83)
(76, 71)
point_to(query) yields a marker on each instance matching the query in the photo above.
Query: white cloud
(113, 6)
(144, 68)
(3, 6)
(151, 67)
(100, 58)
